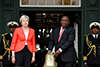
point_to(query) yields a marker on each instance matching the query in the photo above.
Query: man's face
(12, 29)
(95, 30)
(65, 21)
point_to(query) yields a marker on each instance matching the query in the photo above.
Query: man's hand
(48, 51)
(1, 64)
(86, 64)
(57, 53)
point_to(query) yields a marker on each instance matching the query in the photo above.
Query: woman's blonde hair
(23, 17)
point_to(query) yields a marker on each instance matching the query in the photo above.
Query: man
(63, 40)
(5, 54)
(91, 50)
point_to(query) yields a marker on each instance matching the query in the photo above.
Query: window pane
(41, 2)
(33, 2)
(58, 2)
(67, 2)
(25, 2)
(77, 2)
(50, 2)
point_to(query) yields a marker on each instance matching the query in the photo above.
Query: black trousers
(23, 58)
(8, 65)
(65, 64)
(93, 65)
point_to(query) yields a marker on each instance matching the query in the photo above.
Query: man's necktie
(95, 36)
(60, 34)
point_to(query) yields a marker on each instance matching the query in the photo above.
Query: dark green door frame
(60, 9)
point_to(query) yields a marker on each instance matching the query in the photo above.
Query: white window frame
(50, 5)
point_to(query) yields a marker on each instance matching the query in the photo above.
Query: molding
(7, 3)
(7, 16)
(92, 3)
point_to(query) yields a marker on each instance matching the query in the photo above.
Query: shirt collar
(95, 35)
(11, 34)
(62, 27)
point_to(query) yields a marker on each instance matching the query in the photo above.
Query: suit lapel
(8, 39)
(57, 36)
(10, 36)
(23, 32)
(65, 31)
(28, 34)
(97, 40)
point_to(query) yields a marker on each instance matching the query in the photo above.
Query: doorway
(44, 22)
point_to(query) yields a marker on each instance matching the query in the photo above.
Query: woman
(23, 44)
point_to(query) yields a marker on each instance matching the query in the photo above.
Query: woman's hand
(13, 56)
(33, 59)
(13, 59)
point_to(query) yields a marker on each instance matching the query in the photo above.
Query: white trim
(62, 2)
(54, 2)
(29, 2)
(50, 5)
(46, 2)
(71, 2)
(20, 3)
(37, 2)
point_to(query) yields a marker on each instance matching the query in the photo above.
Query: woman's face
(25, 22)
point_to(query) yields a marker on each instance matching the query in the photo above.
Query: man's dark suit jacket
(66, 44)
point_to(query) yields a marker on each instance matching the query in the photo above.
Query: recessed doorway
(44, 22)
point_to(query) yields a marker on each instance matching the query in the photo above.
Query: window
(50, 3)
